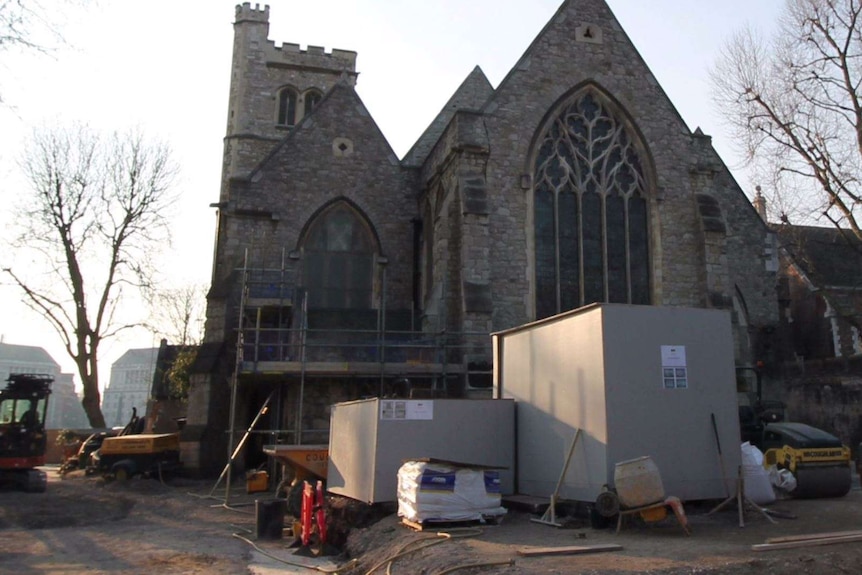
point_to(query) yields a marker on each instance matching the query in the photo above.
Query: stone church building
(341, 271)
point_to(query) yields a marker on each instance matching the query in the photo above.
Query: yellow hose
(402, 551)
(435, 539)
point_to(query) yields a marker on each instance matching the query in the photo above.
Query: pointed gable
(337, 150)
(337, 121)
(473, 92)
(580, 77)
(335, 160)
(582, 42)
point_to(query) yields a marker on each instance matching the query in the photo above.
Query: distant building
(820, 292)
(64, 406)
(26, 359)
(166, 411)
(130, 384)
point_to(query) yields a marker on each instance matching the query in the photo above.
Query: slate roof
(473, 92)
(829, 257)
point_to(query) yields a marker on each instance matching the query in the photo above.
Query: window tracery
(338, 262)
(590, 211)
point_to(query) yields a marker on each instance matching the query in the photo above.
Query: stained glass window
(338, 261)
(590, 211)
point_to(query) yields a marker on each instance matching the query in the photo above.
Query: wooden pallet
(440, 524)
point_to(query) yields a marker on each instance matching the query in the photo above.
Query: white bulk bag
(442, 492)
(758, 487)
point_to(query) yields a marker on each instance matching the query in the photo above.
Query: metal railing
(364, 346)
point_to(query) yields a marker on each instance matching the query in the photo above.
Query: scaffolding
(275, 344)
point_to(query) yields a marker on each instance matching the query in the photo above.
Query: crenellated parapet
(245, 13)
(289, 55)
(269, 87)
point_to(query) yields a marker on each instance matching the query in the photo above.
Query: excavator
(818, 460)
(23, 441)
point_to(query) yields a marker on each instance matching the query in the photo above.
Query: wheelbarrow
(299, 463)
(302, 467)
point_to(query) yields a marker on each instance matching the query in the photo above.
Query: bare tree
(95, 215)
(33, 24)
(794, 105)
(177, 314)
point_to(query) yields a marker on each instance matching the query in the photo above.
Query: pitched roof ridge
(475, 79)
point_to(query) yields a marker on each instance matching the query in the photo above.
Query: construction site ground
(87, 525)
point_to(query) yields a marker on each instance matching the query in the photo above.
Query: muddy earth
(88, 525)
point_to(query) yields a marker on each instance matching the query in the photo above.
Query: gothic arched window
(338, 260)
(590, 211)
(310, 100)
(287, 107)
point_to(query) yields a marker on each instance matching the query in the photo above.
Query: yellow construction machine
(147, 454)
(818, 460)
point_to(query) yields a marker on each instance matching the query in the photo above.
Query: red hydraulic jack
(313, 521)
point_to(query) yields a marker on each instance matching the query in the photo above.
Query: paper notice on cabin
(406, 409)
(674, 367)
(673, 355)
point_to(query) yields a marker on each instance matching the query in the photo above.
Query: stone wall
(551, 71)
(826, 394)
(307, 171)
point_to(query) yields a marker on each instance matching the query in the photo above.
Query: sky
(164, 66)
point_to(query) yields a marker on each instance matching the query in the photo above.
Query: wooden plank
(570, 550)
(438, 524)
(777, 513)
(810, 536)
(806, 543)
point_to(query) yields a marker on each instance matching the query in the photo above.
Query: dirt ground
(86, 525)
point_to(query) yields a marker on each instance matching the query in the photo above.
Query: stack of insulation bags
(432, 491)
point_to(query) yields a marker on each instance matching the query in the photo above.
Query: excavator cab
(23, 440)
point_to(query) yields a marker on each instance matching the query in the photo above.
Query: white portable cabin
(637, 381)
(369, 440)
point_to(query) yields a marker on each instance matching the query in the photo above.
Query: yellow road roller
(817, 459)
